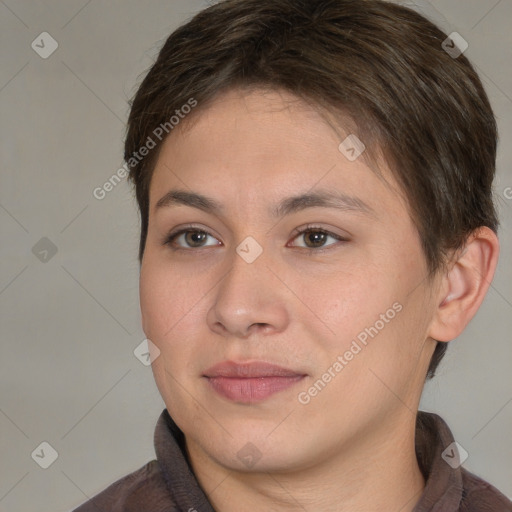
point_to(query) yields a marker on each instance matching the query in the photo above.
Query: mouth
(250, 382)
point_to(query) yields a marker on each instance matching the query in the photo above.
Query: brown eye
(195, 238)
(316, 238)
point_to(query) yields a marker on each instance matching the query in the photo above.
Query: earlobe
(465, 284)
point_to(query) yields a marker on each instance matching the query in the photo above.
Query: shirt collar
(443, 483)
(178, 474)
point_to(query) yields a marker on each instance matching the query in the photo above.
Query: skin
(297, 308)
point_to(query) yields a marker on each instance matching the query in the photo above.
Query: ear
(465, 284)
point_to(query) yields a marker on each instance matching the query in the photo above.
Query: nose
(249, 300)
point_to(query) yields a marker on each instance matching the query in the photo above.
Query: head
(252, 104)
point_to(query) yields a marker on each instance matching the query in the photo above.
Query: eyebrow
(289, 205)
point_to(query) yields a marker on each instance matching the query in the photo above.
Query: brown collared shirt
(168, 483)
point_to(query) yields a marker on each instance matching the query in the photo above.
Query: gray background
(68, 375)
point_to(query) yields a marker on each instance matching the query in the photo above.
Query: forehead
(267, 144)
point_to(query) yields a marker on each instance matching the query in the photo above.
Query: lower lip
(250, 390)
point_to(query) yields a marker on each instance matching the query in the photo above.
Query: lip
(250, 382)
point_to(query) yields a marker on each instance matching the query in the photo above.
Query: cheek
(164, 300)
(152, 302)
(172, 315)
(346, 303)
(374, 323)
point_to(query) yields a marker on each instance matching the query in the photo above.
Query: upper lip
(249, 370)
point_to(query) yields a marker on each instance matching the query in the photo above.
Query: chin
(251, 449)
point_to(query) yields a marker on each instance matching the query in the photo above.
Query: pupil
(317, 236)
(196, 237)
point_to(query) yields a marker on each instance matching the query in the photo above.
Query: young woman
(314, 180)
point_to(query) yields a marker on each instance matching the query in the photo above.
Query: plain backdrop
(70, 317)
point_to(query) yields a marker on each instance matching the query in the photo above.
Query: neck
(377, 472)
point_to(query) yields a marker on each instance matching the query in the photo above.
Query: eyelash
(171, 237)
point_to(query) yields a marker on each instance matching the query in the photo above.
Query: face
(289, 328)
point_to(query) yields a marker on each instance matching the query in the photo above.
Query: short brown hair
(376, 63)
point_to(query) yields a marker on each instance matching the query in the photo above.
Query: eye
(189, 238)
(316, 237)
